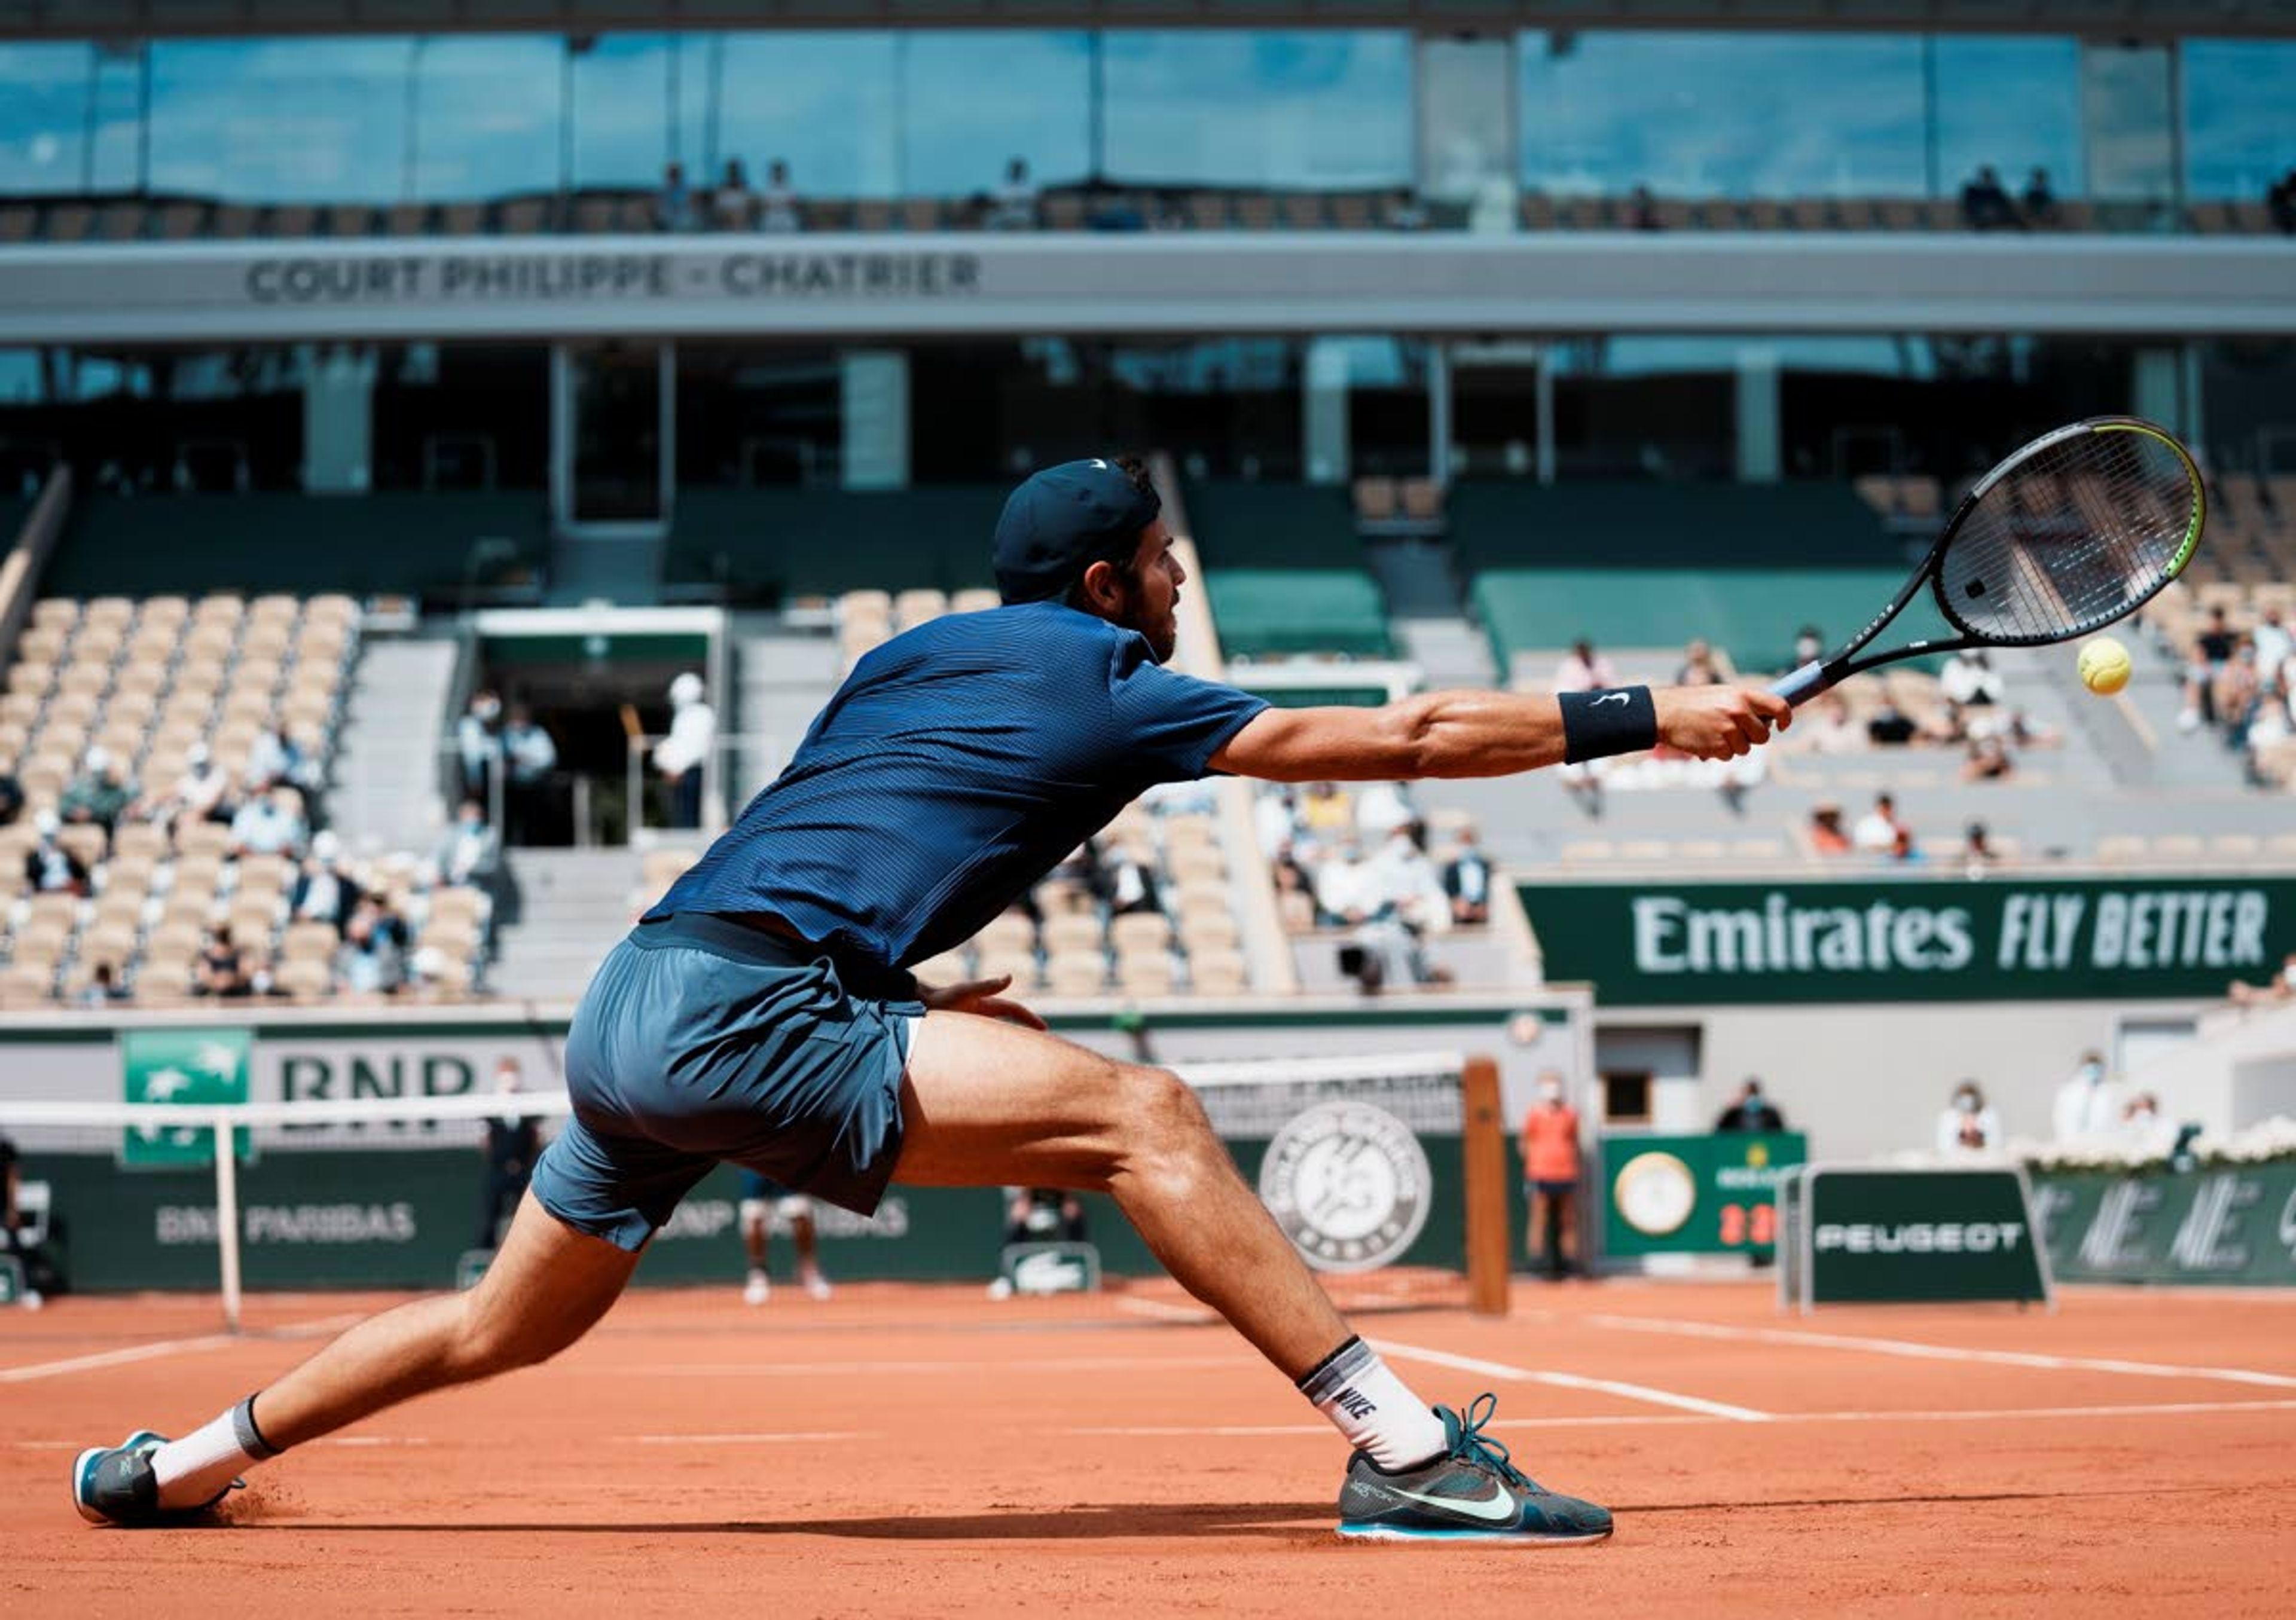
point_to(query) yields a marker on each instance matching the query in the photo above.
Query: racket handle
(1799, 686)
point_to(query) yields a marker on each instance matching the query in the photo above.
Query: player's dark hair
(1120, 552)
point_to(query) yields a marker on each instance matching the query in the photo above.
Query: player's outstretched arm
(1494, 733)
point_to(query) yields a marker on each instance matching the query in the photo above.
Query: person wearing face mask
(511, 1144)
(1550, 1169)
(2085, 1106)
(2279, 987)
(477, 740)
(1968, 1126)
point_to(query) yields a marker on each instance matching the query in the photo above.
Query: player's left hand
(979, 995)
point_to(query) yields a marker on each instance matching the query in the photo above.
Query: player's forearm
(1465, 732)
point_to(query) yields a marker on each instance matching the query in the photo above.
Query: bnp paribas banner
(1653, 945)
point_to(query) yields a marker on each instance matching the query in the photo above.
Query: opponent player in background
(766, 1204)
(762, 1012)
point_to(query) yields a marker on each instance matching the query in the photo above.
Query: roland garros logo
(1349, 1184)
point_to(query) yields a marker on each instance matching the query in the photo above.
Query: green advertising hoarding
(2222, 1223)
(1660, 943)
(1694, 1195)
(1860, 1235)
(184, 1068)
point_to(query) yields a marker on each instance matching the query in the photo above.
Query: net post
(226, 1173)
(1483, 1149)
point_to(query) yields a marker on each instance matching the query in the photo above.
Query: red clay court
(925, 1451)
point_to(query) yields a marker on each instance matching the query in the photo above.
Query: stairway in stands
(560, 911)
(384, 791)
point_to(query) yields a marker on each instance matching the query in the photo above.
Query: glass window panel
(43, 91)
(116, 149)
(1324, 108)
(281, 120)
(2125, 114)
(956, 141)
(825, 104)
(1690, 115)
(2240, 116)
(621, 110)
(487, 115)
(2013, 104)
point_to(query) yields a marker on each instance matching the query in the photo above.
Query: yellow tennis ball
(2105, 665)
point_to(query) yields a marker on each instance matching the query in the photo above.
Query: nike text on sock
(1372, 1407)
(195, 1469)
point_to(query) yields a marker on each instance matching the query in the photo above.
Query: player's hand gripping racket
(2079, 529)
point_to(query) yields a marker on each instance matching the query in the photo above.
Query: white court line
(1256, 1431)
(1567, 1380)
(1064, 1364)
(169, 1346)
(1164, 1311)
(1914, 1350)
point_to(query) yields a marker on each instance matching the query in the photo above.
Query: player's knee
(1172, 1135)
(493, 1340)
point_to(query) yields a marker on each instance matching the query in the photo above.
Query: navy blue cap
(1063, 521)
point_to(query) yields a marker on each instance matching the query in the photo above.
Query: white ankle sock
(1373, 1408)
(195, 1469)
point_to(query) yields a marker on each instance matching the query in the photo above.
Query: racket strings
(2070, 539)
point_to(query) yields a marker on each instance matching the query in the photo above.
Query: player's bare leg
(805, 1237)
(758, 1287)
(986, 1103)
(548, 1285)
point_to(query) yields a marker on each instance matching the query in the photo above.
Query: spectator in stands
(1015, 199)
(1327, 813)
(2087, 1107)
(2273, 645)
(2142, 1128)
(1041, 1215)
(1830, 728)
(220, 970)
(2274, 991)
(2280, 201)
(1945, 727)
(1381, 808)
(1888, 726)
(512, 1140)
(1826, 837)
(2234, 693)
(1467, 880)
(1550, 1174)
(370, 960)
(680, 756)
(478, 741)
(1295, 899)
(1642, 210)
(1585, 670)
(1751, 1112)
(203, 793)
(469, 851)
(1346, 892)
(1130, 879)
(1698, 667)
(278, 759)
(1986, 205)
(2218, 640)
(103, 987)
(2198, 683)
(1276, 819)
(1810, 644)
(1979, 854)
(1968, 680)
(49, 868)
(733, 206)
(11, 798)
(96, 797)
(2040, 199)
(323, 891)
(529, 754)
(1968, 1126)
(778, 205)
(1879, 831)
(2271, 722)
(1988, 761)
(268, 824)
(674, 207)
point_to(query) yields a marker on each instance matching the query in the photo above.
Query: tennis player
(762, 1011)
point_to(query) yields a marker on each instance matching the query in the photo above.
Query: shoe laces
(1462, 1431)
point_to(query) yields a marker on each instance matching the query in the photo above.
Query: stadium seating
(1286, 571)
(147, 682)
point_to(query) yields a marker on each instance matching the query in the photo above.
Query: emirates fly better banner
(1940, 939)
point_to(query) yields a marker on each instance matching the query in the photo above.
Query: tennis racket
(2074, 532)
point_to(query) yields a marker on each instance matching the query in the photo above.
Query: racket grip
(1797, 686)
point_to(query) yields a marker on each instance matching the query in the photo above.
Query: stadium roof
(2113, 19)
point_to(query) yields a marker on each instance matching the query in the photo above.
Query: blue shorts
(701, 1039)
